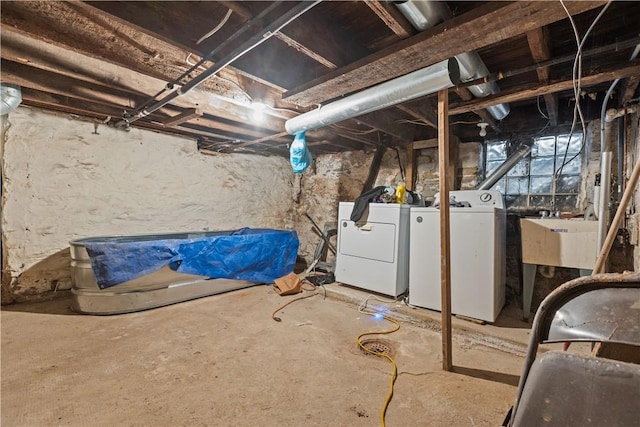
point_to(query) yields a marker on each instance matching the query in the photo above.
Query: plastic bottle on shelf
(400, 193)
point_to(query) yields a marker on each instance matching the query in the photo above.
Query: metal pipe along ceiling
(265, 34)
(426, 14)
(419, 83)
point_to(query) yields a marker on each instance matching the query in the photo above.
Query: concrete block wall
(63, 178)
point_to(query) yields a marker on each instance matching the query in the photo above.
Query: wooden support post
(445, 255)
(412, 168)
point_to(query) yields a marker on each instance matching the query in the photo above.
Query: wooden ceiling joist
(496, 21)
(189, 114)
(532, 91)
(392, 17)
(538, 40)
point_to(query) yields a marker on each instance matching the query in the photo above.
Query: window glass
(568, 184)
(574, 146)
(520, 169)
(492, 166)
(567, 203)
(570, 167)
(518, 185)
(540, 202)
(499, 186)
(542, 166)
(540, 180)
(541, 184)
(496, 151)
(544, 147)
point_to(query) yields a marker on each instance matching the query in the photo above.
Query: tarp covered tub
(121, 274)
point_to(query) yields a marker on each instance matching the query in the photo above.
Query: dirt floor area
(222, 360)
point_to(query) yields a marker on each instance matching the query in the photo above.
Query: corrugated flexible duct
(419, 83)
(426, 14)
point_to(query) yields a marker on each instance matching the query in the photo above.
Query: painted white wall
(63, 181)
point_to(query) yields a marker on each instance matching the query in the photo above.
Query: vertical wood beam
(412, 168)
(445, 249)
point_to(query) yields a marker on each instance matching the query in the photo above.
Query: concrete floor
(222, 360)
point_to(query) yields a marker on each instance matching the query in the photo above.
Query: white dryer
(477, 239)
(373, 253)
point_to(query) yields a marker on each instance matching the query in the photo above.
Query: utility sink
(555, 242)
(559, 242)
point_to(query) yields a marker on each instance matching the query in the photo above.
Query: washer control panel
(474, 198)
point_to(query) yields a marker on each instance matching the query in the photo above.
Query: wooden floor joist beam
(496, 21)
(531, 91)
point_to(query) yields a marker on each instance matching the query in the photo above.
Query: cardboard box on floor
(288, 285)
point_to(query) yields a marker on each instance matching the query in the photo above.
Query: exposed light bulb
(258, 108)
(483, 128)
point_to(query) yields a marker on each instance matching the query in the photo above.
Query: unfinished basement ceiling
(109, 60)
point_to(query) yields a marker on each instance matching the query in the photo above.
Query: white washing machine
(477, 242)
(373, 253)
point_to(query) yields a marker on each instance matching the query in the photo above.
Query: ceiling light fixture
(258, 111)
(483, 128)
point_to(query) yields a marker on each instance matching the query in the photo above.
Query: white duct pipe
(426, 14)
(423, 82)
(11, 97)
(472, 68)
(423, 14)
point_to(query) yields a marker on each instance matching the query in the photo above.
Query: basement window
(547, 178)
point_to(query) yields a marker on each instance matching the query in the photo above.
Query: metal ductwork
(471, 68)
(424, 14)
(508, 164)
(419, 83)
(11, 97)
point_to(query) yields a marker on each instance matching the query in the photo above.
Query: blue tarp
(252, 254)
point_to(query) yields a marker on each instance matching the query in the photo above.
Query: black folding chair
(567, 389)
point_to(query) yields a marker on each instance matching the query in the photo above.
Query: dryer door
(372, 240)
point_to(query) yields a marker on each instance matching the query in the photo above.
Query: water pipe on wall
(606, 117)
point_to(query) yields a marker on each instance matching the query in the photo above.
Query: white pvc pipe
(603, 209)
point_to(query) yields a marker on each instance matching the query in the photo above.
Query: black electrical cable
(400, 164)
